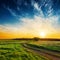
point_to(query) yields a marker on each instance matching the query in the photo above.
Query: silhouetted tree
(36, 38)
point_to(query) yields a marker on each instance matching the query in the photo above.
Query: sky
(29, 18)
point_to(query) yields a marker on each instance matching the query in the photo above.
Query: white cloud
(36, 6)
(34, 26)
(11, 11)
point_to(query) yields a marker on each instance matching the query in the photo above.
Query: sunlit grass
(15, 51)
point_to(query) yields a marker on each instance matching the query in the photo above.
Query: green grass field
(53, 47)
(15, 51)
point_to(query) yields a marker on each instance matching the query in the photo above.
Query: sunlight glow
(42, 34)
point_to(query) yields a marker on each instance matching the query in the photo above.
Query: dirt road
(46, 53)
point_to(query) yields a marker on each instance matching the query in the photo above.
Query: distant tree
(36, 38)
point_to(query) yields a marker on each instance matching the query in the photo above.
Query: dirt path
(48, 54)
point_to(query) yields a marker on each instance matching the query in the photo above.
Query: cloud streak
(34, 26)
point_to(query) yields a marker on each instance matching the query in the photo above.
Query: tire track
(48, 54)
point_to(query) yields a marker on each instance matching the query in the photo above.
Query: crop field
(25, 50)
(55, 47)
(51, 45)
(15, 51)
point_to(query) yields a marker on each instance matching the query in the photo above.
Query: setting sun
(42, 34)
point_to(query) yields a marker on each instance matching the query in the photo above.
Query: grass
(52, 47)
(55, 48)
(15, 51)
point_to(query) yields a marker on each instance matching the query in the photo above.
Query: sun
(42, 34)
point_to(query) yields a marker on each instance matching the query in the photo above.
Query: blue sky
(11, 11)
(29, 15)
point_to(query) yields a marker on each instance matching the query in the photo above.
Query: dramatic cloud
(34, 26)
(29, 16)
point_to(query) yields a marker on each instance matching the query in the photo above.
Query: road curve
(48, 54)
